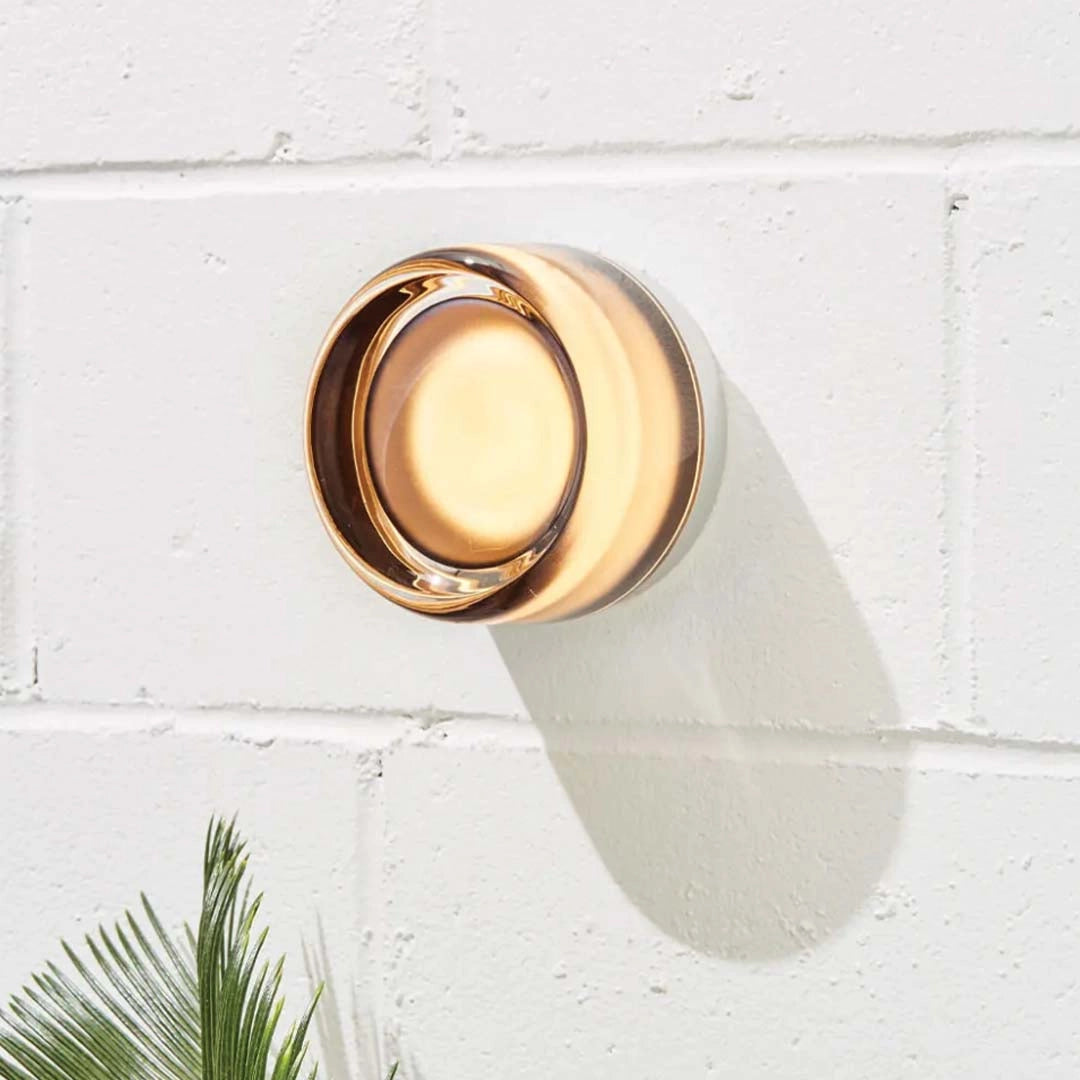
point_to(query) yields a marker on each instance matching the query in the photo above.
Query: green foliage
(146, 1008)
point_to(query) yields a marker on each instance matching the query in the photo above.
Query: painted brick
(142, 81)
(7, 569)
(97, 809)
(179, 558)
(872, 210)
(16, 646)
(638, 74)
(727, 912)
(1019, 272)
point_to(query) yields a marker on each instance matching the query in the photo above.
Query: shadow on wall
(742, 846)
(338, 1054)
(359, 1054)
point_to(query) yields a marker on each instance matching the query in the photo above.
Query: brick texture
(800, 810)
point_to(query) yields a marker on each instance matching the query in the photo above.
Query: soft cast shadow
(335, 1015)
(730, 835)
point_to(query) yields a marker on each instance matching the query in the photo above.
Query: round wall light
(515, 434)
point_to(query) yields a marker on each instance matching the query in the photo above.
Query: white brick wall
(804, 809)
(151, 80)
(1018, 268)
(567, 75)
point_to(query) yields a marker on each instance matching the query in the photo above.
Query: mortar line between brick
(16, 559)
(375, 872)
(959, 474)
(386, 1017)
(609, 165)
(7, 470)
(383, 733)
(439, 119)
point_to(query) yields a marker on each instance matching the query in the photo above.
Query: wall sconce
(511, 434)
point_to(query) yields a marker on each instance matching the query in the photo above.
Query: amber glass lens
(506, 433)
(469, 431)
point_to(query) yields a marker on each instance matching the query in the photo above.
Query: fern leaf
(141, 1007)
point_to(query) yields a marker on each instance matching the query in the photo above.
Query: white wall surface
(806, 809)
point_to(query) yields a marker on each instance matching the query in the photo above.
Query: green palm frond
(142, 1007)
